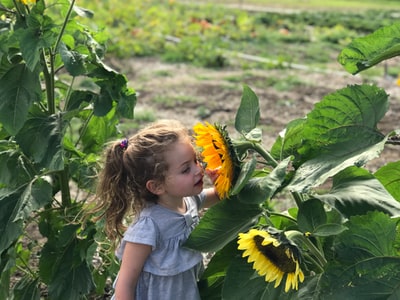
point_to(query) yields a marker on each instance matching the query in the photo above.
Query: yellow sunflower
(26, 2)
(273, 257)
(218, 153)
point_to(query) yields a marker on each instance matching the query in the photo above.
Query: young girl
(156, 174)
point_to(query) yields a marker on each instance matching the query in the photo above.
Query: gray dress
(171, 271)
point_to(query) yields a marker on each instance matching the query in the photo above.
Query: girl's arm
(211, 193)
(211, 197)
(132, 263)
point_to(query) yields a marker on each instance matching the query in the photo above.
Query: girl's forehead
(180, 152)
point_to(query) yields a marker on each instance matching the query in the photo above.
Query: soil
(192, 94)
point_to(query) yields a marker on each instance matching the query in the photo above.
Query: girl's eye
(186, 170)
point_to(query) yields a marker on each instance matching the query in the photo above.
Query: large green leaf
(41, 139)
(316, 171)
(71, 282)
(248, 114)
(369, 235)
(365, 52)
(389, 176)
(15, 169)
(311, 214)
(37, 36)
(366, 264)
(16, 205)
(355, 191)
(242, 282)
(73, 61)
(113, 87)
(346, 117)
(63, 264)
(10, 229)
(376, 278)
(27, 289)
(222, 223)
(213, 277)
(292, 138)
(260, 189)
(99, 131)
(19, 88)
(342, 122)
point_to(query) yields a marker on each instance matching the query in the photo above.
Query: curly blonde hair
(128, 166)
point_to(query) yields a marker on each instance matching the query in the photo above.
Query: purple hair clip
(123, 144)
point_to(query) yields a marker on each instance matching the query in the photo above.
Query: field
(288, 69)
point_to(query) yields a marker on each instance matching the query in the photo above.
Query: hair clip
(123, 144)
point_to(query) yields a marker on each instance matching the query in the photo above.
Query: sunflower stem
(265, 154)
(270, 213)
(297, 235)
(297, 198)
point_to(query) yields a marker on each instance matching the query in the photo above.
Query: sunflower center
(276, 255)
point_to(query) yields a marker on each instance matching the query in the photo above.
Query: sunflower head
(219, 154)
(273, 256)
(27, 2)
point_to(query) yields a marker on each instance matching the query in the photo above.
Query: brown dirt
(192, 94)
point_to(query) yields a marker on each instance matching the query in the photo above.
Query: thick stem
(265, 154)
(64, 186)
(314, 251)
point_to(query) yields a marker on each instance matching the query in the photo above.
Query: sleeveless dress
(171, 271)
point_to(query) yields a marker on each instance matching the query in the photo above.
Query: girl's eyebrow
(185, 163)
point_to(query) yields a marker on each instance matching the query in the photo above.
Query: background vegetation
(45, 250)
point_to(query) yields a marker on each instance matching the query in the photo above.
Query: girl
(156, 174)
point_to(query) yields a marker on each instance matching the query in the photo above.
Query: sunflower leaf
(260, 189)
(221, 224)
(389, 176)
(366, 265)
(317, 170)
(340, 125)
(245, 174)
(311, 214)
(355, 191)
(242, 282)
(365, 52)
(248, 114)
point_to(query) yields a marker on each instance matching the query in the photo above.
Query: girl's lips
(198, 183)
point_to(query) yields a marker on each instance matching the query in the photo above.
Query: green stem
(265, 154)
(16, 5)
(297, 198)
(71, 6)
(84, 128)
(314, 251)
(64, 186)
(49, 82)
(49, 73)
(68, 95)
(270, 213)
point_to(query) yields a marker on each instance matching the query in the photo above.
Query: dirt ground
(192, 94)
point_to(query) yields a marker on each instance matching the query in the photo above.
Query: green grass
(210, 37)
(354, 5)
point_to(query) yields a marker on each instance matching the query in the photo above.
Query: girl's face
(185, 175)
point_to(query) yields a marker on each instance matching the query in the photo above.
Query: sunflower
(274, 256)
(27, 2)
(218, 153)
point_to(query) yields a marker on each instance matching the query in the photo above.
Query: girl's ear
(154, 187)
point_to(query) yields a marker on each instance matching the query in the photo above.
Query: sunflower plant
(59, 103)
(340, 240)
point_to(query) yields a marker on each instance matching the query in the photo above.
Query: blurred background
(190, 59)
